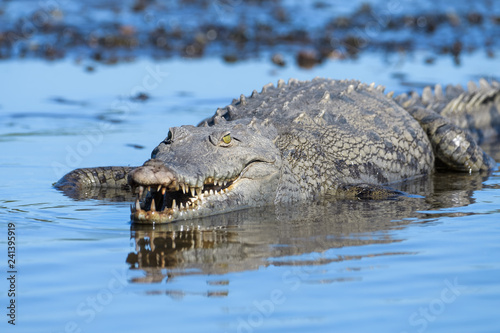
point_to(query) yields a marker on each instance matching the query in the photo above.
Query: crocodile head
(201, 171)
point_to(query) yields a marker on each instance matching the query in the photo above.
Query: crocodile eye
(226, 139)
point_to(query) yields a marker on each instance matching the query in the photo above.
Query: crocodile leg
(452, 145)
(366, 192)
(100, 177)
(476, 109)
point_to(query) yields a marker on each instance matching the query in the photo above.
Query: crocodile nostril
(153, 172)
(154, 163)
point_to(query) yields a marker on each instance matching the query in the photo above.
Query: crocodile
(303, 140)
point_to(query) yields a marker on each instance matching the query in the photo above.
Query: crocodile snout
(153, 172)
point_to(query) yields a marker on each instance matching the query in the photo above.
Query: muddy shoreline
(235, 30)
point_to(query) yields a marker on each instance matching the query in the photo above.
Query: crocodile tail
(476, 109)
(100, 177)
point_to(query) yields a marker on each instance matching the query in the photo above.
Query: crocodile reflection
(249, 239)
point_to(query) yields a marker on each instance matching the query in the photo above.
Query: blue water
(366, 268)
(426, 263)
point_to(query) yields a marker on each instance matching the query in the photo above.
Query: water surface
(424, 263)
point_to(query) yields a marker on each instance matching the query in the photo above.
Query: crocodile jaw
(163, 204)
(170, 200)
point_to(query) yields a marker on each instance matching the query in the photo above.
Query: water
(425, 263)
(399, 266)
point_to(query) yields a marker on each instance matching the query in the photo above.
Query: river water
(428, 262)
(418, 264)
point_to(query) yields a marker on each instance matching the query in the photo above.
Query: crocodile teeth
(178, 199)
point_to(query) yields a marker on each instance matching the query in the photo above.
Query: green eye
(227, 139)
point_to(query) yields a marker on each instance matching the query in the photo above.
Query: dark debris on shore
(235, 30)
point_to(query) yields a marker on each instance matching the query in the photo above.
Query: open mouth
(163, 204)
